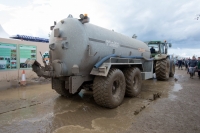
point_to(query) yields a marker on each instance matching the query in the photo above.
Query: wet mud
(39, 109)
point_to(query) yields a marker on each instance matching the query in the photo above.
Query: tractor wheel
(172, 69)
(162, 69)
(59, 87)
(109, 91)
(133, 81)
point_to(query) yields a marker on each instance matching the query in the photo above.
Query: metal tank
(81, 52)
(82, 45)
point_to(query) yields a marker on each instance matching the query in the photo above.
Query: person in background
(152, 50)
(180, 64)
(186, 63)
(198, 67)
(192, 66)
(183, 62)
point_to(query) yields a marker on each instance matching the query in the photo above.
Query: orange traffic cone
(23, 81)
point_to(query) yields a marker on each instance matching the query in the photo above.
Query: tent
(3, 34)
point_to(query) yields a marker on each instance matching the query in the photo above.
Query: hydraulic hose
(98, 64)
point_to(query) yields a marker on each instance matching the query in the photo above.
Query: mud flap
(74, 82)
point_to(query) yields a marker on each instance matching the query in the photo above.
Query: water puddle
(177, 87)
(172, 97)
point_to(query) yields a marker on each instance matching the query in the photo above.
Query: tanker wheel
(162, 69)
(172, 69)
(59, 87)
(109, 91)
(133, 81)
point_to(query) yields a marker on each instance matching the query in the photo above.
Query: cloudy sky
(169, 20)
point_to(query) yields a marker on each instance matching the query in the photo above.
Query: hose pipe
(99, 63)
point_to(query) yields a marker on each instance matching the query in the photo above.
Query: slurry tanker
(84, 55)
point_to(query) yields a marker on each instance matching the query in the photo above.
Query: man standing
(186, 63)
(188, 66)
(192, 65)
(198, 67)
(180, 64)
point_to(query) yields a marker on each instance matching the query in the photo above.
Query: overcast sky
(169, 20)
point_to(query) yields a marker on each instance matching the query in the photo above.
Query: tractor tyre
(109, 91)
(133, 81)
(59, 87)
(162, 69)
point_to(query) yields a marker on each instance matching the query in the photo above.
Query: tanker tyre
(109, 91)
(133, 81)
(162, 69)
(59, 87)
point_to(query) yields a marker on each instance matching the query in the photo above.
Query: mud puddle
(41, 109)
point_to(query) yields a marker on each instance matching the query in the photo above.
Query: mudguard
(160, 56)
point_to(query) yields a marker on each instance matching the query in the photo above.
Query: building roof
(30, 38)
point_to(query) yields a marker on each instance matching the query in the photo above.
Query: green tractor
(164, 66)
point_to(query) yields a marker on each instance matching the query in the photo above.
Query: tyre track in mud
(20, 108)
(178, 111)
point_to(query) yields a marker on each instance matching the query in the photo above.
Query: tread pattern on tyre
(161, 68)
(128, 73)
(59, 87)
(100, 89)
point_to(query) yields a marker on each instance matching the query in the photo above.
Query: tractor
(164, 66)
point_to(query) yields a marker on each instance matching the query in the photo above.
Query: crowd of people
(191, 65)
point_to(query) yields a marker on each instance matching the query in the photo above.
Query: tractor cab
(158, 47)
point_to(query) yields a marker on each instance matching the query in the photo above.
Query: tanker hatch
(70, 16)
(57, 32)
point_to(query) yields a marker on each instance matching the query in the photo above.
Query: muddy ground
(162, 107)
